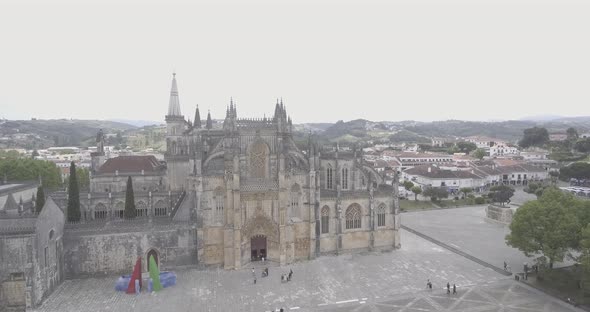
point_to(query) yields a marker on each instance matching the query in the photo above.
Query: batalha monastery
(227, 194)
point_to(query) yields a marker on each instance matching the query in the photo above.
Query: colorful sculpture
(135, 276)
(155, 274)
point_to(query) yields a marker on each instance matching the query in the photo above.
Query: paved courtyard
(468, 230)
(393, 281)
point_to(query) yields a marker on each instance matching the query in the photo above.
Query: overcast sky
(378, 60)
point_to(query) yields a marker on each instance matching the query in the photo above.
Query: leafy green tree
(408, 185)
(39, 199)
(578, 170)
(23, 169)
(583, 145)
(436, 193)
(466, 147)
(73, 196)
(465, 191)
(547, 227)
(34, 154)
(416, 190)
(535, 136)
(572, 134)
(501, 194)
(130, 211)
(479, 153)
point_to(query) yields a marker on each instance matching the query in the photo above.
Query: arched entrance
(258, 247)
(153, 253)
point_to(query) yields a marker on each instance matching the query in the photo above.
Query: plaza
(390, 281)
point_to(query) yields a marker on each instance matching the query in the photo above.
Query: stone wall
(116, 250)
(500, 214)
(16, 256)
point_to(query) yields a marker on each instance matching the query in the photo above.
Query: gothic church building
(253, 193)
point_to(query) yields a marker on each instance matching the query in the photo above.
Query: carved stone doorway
(258, 247)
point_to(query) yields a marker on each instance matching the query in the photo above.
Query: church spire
(197, 121)
(209, 124)
(174, 104)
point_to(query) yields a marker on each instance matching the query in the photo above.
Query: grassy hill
(54, 132)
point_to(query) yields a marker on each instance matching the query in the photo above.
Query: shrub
(480, 200)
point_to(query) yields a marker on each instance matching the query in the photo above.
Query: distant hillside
(54, 132)
(138, 123)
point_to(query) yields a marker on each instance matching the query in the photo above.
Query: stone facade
(31, 257)
(255, 194)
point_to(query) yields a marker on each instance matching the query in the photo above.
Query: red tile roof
(129, 164)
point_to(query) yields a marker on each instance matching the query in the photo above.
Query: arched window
(345, 178)
(219, 202)
(381, 215)
(100, 211)
(141, 209)
(160, 209)
(120, 209)
(325, 221)
(294, 200)
(353, 217)
(329, 177)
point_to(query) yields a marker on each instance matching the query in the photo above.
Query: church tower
(177, 153)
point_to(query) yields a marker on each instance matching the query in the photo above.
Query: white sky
(379, 60)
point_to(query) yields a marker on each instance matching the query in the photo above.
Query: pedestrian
(253, 272)
(282, 278)
(290, 273)
(255, 280)
(448, 288)
(454, 289)
(505, 265)
(428, 284)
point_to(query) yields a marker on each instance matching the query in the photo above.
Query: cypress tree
(40, 199)
(73, 195)
(130, 212)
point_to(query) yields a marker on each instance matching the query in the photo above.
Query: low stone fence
(500, 214)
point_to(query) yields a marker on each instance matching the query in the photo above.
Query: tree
(572, 134)
(583, 145)
(34, 154)
(408, 185)
(578, 170)
(501, 194)
(548, 227)
(465, 191)
(73, 196)
(479, 153)
(130, 211)
(436, 193)
(39, 199)
(416, 190)
(466, 147)
(535, 136)
(22, 169)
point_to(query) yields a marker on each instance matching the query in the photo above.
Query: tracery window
(294, 202)
(160, 209)
(329, 177)
(325, 220)
(381, 215)
(345, 178)
(353, 217)
(141, 209)
(219, 202)
(100, 211)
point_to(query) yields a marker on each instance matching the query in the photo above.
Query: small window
(51, 234)
(381, 215)
(325, 221)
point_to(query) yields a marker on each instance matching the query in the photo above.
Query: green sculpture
(155, 275)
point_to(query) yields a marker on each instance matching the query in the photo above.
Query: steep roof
(129, 164)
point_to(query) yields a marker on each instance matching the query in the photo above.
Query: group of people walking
(448, 288)
(284, 277)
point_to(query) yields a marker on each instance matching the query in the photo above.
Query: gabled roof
(131, 164)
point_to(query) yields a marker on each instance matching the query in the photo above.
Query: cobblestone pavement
(393, 281)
